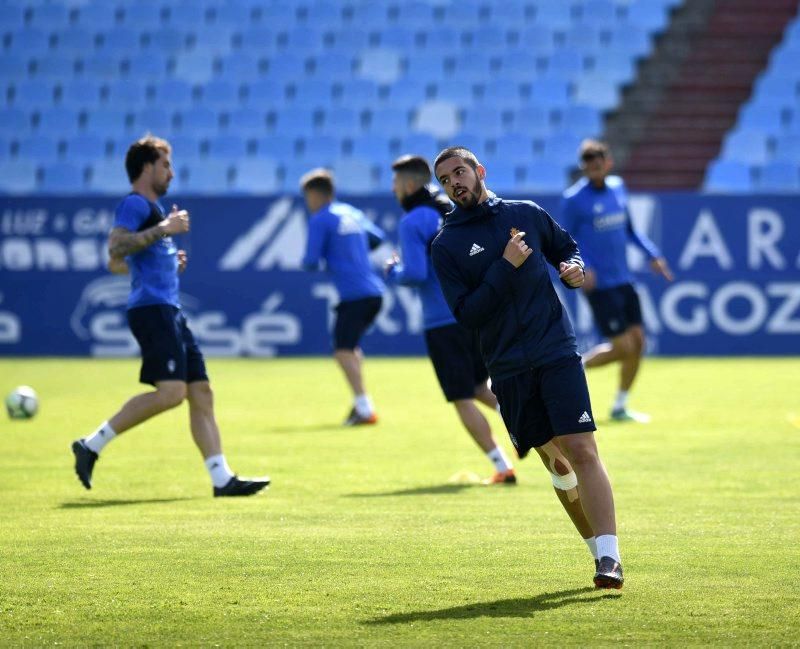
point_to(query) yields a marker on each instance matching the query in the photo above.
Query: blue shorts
(169, 350)
(615, 309)
(353, 318)
(544, 402)
(456, 355)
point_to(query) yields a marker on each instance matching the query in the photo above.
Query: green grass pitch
(362, 541)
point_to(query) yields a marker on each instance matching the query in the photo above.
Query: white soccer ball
(22, 402)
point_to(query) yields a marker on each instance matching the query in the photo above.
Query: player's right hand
(517, 251)
(177, 222)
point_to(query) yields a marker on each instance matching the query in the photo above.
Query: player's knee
(172, 396)
(200, 394)
(626, 345)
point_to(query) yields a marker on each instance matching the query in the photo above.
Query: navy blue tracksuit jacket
(520, 319)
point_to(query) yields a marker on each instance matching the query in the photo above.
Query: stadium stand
(244, 87)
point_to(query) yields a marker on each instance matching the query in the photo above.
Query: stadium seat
(61, 122)
(264, 92)
(98, 15)
(55, 68)
(320, 150)
(332, 68)
(144, 67)
(259, 40)
(415, 14)
(779, 176)
(595, 90)
(124, 94)
(228, 147)
(86, 148)
(256, 176)
(15, 122)
(221, 94)
(49, 16)
(62, 178)
(119, 42)
(651, 16)
(205, 177)
(11, 17)
(759, 117)
(544, 176)
(17, 177)
(28, 42)
(343, 122)
(32, 94)
(439, 118)
(174, 93)
(310, 94)
(143, 16)
(14, 67)
(751, 147)
(80, 94)
(380, 65)
(484, 120)
(184, 13)
(107, 122)
(194, 67)
(247, 122)
(199, 121)
(439, 39)
(561, 148)
(108, 176)
(240, 66)
(501, 176)
(556, 15)
(231, 14)
(373, 146)
(487, 39)
(389, 122)
(302, 39)
(502, 93)
(727, 177)
(581, 119)
(184, 147)
(515, 147)
(286, 68)
(41, 148)
(787, 149)
(455, 90)
(278, 147)
(355, 176)
(398, 38)
(598, 12)
(419, 144)
(74, 41)
(358, 94)
(153, 119)
(322, 12)
(549, 92)
(213, 40)
(165, 41)
(296, 122)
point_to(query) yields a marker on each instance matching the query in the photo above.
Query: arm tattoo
(122, 242)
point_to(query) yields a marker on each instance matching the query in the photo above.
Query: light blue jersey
(341, 235)
(154, 270)
(598, 220)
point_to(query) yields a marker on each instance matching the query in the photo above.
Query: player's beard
(160, 189)
(470, 199)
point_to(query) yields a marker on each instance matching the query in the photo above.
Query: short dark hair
(146, 150)
(457, 152)
(318, 180)
(413, 165)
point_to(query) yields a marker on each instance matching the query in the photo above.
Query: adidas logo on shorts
(584, 418)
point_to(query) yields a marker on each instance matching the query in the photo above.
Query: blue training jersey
(599, 221)
(341, 235)
(417, 229)
(154, 270)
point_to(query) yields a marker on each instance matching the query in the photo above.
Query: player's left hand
(183, 259)
(390, 263)
(660, 267)
(572, 274)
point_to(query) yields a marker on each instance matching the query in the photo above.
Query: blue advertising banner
(736, 290)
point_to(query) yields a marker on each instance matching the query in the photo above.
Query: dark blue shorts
(615, 309)
(169, 350)
(456, 355)
(353, 318)
(545, 402)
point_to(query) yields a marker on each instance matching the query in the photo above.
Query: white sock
(99, 438)
(607, 547)
(499, 459)
(621, 400)
(363, 405)
(219, 470)
(591, 543)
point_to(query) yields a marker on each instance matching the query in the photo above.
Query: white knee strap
(564, 482)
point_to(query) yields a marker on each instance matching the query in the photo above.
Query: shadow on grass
(304, 428)
(93, 504)
(418, 491)
(519, 607)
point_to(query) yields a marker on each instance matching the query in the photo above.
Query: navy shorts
(544, 402)
(353, 318)
(615, 309)
(169, 350)
(456, 355)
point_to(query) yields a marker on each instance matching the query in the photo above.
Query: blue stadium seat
(5, 146)
(174, 93)
(466, 14)
(287, 68)
(370, 13)
(358, 94)
(455, 90)
(247, 122)
(751, 147)
(513, 14)
(518, 65)
(515, 147)
(240, 66)
(474, 141)
(320, 150)
(302, 39)
(205, 177)
(108, 122)
(15, 121)
(776, 90)
(61, 122)
(198, 121)
(556, 15)
(108, 177)
(29, 42)
(232, 14)
(49, 16)
(53, 68)
(550, 92)
(279, 147)
(62, 178)
(143, 16)
(14, 67)
(651, 16)
(399, 38)
(40, 148)
(416, 15)
(194, 67)
(533, 120)
(406, 94)
(728, 176)
(379, 64)
(264, 92)
(355, 176)
(295, 122)
(99, 16)
(119, 41)
(343, 122)
(17, 177)
(11, 17)
(347, 42)
(33, 94)
(561, 148)
(598, 12)
(596, 90)
(438, 118)
(332, 68)
(256, 176)
(536, 40)
(767, 118)
(74, 40)
(486, 121)
(375, 147)
(221, 93)
(291, 172)
(144, 67)
(424, 66)
(419, 144)
(390, 122)
(616, 66)
(167, 41)
(631, 39)
(544, 176)
(779, 177)
(153, 119)
(787, 149)
(581, 119)
(227, 146)
(80, 93)
(502, 93)
(181, 14)
(212, 40)
(440, 38)
(566, 63)
(125, 94)
(501, 176)
(260, 40)
(323, 12)
(471, 64)
(86, 148)
(487, 39)
(185, 147)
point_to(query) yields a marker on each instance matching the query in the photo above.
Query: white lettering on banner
(781, 322)
(10, 328)
(89, 222)
(705, 240)
(764, 229)
(110, 335)
(747, 325)
(218, 340)
(412, 307)
(697, 323)
(269, 250)
(262, 331)
(643, 210)
(23, 222)
(649, 310)
(22, 254)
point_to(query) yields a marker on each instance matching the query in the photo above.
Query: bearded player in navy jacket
(491, 259)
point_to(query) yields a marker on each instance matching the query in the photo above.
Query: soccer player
(453, 349)
(595, 211)
(491, 258)
(342, 236)
(141, 243)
